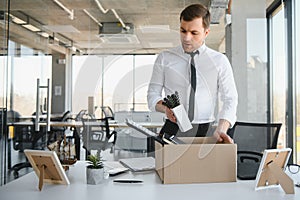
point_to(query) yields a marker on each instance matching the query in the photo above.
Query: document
(139, 164)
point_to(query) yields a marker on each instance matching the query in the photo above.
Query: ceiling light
(44, 34)
(16, 19)
(31, 27)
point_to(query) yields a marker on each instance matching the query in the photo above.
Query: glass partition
(278, 72)
(3, 85)
(297, 52)
(24, 59)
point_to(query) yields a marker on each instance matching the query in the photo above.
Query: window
(26, 68)
(278, 72)
(118, 81)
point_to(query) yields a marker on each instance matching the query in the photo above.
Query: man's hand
(220, 133)
(170, 115)
(164, 109)
(223, 137)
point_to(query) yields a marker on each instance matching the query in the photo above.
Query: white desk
(152, 125)
(26, 187)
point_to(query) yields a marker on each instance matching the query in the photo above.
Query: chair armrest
(113, 133)
(249, 155)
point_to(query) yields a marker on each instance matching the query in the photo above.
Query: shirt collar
(201, 49)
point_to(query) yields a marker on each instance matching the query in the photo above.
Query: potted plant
(94, 169)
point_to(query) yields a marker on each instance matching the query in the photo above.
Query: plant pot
(94, 176)
(182, 118)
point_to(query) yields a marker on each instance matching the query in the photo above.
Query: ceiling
(155, 25)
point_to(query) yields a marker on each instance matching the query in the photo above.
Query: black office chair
(110, 116)
(252, 139)
(96, 134)
(108, 113)
(25, 137)
(58, 132)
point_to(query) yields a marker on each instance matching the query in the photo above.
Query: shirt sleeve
(228, 92)
(154, 93)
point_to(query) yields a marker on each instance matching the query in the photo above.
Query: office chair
(108, 113)
(80, 115)
(58, 132)
(110, 116)
(25, 137)
(252, 139)
(96, 134)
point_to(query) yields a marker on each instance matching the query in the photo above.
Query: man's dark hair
(196, 11)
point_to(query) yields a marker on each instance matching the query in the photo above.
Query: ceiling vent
(115, 28)
(114, 32)
(119, 38)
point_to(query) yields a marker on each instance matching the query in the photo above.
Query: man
(209, 71)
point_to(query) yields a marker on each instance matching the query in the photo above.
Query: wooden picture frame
(271, 170)
(47, 167)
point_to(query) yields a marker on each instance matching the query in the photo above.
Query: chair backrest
(255, 136)
(108, 113)
(95, 134)
(80, 115)
(65, 116)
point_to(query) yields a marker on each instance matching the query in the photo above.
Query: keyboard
(144, 130)
(139, 164)
(140, 128)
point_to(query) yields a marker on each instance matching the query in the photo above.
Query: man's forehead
(193, 25)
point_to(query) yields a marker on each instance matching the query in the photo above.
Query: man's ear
(207, 32)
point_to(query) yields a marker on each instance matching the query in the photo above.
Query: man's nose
(187, 36)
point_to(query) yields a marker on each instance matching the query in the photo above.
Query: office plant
(94, 169)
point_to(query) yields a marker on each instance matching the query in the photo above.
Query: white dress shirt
(171, 72)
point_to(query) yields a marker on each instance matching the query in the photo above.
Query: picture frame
(47, 167)
(271, 170)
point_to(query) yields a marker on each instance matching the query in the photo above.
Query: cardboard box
(200, 160)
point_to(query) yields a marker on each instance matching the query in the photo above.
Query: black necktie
(193, 87)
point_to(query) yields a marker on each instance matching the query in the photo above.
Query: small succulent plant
(95, 161)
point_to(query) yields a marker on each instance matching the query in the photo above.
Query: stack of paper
(139, 164)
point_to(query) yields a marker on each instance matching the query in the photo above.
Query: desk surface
(79, 124)
(151, 188)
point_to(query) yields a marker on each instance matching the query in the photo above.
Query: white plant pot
(182, 118)
(94, 176)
